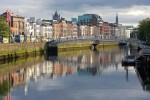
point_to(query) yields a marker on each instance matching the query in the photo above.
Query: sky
(130, 12)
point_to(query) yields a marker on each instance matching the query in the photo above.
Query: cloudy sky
(130, 11)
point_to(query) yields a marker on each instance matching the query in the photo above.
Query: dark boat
(143, 71)
(122, 43)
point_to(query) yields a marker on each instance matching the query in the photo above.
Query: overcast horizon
(130, 12)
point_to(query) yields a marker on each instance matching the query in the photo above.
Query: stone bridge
(81, 42)
(91, 40)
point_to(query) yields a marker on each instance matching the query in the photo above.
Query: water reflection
(30, 73)
(91, 64)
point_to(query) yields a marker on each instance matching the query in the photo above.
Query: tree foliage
(4, 28)
(144, 29)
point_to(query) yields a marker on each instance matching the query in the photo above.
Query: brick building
(64, 28)
(15, 22)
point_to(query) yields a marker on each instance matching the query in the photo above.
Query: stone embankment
(14, 51)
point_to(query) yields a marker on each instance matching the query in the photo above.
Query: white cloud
(137, 11)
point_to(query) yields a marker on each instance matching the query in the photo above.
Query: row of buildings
(85, 25)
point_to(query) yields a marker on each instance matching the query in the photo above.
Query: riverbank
(15, 51)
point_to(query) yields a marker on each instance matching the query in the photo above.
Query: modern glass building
(74, 20)
(90, 19)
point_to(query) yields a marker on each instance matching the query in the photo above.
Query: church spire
(117, 19)
(56, 16)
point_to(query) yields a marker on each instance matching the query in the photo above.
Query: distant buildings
(85, 25)
(38, 28)
(90, 24)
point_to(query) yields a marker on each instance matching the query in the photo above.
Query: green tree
(4, 28)
(144, 29)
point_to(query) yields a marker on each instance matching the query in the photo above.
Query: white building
(27, 27)
(91, 31)
(84, 30)
(128, 30)
(35, 29)
(46, 30)
(32, 28)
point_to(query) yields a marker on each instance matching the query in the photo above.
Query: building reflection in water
(80, 63)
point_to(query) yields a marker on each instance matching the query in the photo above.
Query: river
(76, 75)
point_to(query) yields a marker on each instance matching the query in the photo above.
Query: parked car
(19, 38)
(128, 60)
(1, 38)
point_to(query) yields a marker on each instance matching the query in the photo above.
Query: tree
(4, 28)
(144, 29)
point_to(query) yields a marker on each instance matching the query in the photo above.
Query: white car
(128, 60)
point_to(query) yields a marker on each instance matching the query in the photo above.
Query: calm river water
(78, 75)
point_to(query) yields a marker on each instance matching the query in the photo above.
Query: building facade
(64, 29)
(17, 25)
(15, 22)
(90, 19)
(46, 30)
(128, 31)
(105, 29)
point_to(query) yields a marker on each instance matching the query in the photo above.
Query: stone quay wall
(13, 51)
